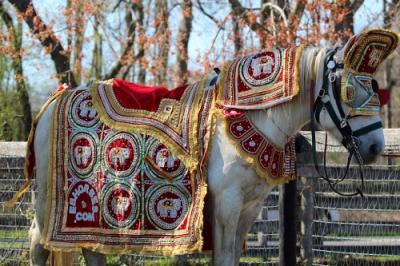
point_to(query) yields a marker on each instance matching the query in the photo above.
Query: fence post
(287, 223)
(307, 186)
(306, 219)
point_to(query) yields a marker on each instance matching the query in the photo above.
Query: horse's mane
(311, 69)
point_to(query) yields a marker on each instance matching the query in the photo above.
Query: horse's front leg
(38, 254)
(246, 220)
(227, 206)
(93, 258)
(253, 203)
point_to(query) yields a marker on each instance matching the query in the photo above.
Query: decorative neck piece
(275, 165)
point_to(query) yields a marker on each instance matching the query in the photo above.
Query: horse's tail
(30, 155)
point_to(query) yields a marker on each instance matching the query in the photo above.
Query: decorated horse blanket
(127, 168)
(127, 162)
(262, 80)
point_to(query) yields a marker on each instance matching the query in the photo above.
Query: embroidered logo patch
(261, 69)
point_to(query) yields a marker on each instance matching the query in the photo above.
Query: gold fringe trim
(29, 150)
(250, 159)
(189, 160)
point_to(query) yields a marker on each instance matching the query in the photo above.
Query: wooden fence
(316, 226)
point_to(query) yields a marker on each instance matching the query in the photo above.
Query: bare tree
(23, 107)
(162, 41)
(343, 17)
(185, 28)
(48, 40)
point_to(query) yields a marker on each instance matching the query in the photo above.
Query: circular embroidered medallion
(121, 154)
(83, 205)
(261, 69)
(82, 154)
(120, 205)
(167, 207)
(164, 159)
(82, 110)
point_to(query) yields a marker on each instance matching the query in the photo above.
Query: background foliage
(164, 42)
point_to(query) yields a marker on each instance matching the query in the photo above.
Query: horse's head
(348, 103)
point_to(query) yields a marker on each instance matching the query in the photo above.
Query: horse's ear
(364, 52)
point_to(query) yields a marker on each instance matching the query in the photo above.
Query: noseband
(350, 138)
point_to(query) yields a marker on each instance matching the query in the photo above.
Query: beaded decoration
(362, 56)
(276, 166)
(260, 81)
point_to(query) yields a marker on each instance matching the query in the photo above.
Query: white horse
(235, 191)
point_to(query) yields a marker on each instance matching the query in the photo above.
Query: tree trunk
(23, 107)
(79, 30)
(185, 28)
(162, 34)
(97, 57)
(237, 36)
(138, 8)
(345, 26)
(126, 50)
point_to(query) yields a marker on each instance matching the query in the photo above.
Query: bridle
(350, 137)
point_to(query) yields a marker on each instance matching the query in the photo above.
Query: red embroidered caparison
(122, 176)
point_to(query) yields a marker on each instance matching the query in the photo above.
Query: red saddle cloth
(177, 117)
(139, 97)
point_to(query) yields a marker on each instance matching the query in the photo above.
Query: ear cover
(362, 55)
(366, 51)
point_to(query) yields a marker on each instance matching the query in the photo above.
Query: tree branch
(48, 40)
(204, 12)
(128, 47)
(355, 5)
(278, 10)
(185, 28)
(298, 10)
(241, 11)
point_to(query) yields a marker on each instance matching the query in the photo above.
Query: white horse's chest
(228, 171)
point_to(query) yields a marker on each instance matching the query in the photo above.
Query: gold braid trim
(29, 164)
(189, 160)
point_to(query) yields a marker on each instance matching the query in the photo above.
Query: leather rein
(350, 138)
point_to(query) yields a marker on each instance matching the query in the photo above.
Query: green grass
(13, 234)
(252, 259)
(386, 258)
(359, 260)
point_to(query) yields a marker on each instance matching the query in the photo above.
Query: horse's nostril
(374, 149)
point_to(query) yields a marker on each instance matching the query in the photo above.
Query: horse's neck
(284, 121)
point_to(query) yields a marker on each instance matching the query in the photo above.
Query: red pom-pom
(384, 96)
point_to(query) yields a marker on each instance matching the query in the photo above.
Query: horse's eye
(375, 86)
